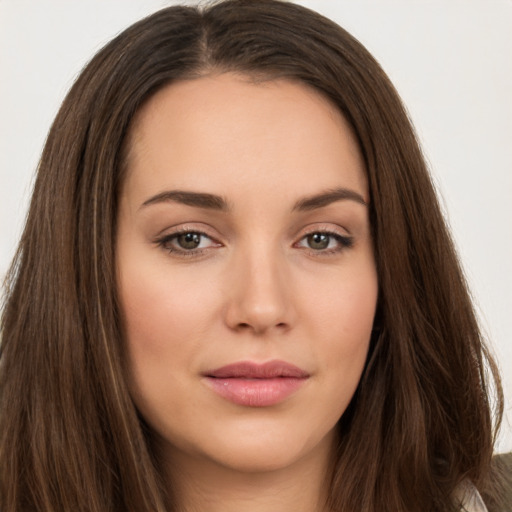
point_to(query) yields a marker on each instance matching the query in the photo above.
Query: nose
(260, 295)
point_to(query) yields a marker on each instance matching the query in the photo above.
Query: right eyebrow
(195, 199)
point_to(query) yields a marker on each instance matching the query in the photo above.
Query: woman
(233, 285)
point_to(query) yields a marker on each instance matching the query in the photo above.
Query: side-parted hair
(424, 416)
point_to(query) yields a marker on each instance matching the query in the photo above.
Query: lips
(256, 385)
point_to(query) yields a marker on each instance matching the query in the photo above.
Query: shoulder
(469, 498)
(497, 493)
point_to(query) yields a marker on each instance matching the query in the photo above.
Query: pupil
(318, 241)
(189, 240)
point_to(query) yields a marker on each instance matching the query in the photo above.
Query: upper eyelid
(321, 230)
(184, 228)
(207, 231)
(163, 240)
(325, 227)
(333, 234)
(326, 232)
(174, 234)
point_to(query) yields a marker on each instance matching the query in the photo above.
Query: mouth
(256, 385)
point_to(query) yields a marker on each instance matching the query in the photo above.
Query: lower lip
(255, 392)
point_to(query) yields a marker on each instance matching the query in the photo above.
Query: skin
(257, 288)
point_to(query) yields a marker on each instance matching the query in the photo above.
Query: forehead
(226, 129)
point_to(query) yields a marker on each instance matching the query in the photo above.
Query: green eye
(325, 242)
(318, 241)
(187, 243)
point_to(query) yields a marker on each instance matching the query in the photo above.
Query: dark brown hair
(421, 420)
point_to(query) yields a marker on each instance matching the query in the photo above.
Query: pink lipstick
(256, 385)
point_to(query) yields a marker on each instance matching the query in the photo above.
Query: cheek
(157, 320)
(345, 306)
(162, 331)
(161, 310)
(342, 317)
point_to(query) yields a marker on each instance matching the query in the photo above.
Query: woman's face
(246, 273)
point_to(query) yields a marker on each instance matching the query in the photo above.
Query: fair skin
(275, 264)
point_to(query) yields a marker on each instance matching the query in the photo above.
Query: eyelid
(185, 227)
(161, 240)
(345, 241)
(325, 227)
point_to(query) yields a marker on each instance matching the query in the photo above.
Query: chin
(255, 459)
(268, 450)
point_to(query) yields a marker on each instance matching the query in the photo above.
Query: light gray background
(451, 60)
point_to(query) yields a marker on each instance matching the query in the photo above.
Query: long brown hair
(422, 419)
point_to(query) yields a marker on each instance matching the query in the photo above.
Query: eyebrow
(195, 199)
(215, 202)
(328, 197)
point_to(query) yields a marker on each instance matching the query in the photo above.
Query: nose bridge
(261, 290)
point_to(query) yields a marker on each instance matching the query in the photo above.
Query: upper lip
(251, 370)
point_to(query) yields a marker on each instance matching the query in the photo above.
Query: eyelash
(165, 243)
(344, 242)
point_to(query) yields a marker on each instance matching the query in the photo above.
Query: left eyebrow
(328, 197)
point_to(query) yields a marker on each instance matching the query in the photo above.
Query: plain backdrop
(451, 61)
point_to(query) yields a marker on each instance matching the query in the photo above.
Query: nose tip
(260, 299)
(259, 323)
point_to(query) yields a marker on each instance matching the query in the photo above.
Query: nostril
(247, 326)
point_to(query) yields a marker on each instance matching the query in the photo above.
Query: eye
(187, 242)
(323, 241)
